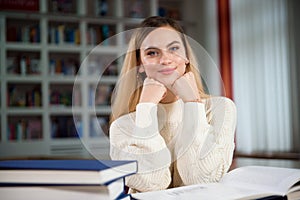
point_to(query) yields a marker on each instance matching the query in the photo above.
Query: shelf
(20, 149)
(64, 110)
(63, 79)
(106, 110)
(64, 48)
(102, 49)
(16, 111)
(21, 46)
(71, 17)
(65, 141)
(103, 79)
(24, 78)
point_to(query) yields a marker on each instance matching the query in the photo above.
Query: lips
(167, 71)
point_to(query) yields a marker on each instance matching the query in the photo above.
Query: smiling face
(163, 55)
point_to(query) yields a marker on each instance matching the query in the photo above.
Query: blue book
(64, 172)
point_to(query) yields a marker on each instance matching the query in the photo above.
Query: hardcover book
(65, 172)
(65, 179)
(114, 190)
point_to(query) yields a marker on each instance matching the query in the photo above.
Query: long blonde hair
(128, 90)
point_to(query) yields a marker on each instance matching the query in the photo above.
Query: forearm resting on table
(210, 151)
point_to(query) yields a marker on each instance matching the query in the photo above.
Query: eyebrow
(170, 44)
(174, 42)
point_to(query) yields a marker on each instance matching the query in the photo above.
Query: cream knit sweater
(176, 144)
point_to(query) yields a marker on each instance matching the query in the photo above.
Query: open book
(250, 182)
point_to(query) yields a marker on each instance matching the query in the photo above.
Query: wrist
(145, 100)
(194, 100)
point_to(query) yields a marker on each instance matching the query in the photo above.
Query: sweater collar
(172, 111)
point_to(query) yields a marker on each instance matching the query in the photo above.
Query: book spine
(77, 37)
(61, 34)
(64, 127)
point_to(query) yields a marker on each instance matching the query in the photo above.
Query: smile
(167, 71)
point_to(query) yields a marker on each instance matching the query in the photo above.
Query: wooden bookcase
(42, 75)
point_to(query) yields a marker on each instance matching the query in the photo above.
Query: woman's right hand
(152, 92)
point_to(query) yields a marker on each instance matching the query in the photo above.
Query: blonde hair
(128, 89)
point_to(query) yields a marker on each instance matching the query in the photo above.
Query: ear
(187, 61)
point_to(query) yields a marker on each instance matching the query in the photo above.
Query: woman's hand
(152, 92)
(186, 88)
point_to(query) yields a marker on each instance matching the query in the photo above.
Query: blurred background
(50, 72)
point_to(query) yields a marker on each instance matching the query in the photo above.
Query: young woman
(162, 117)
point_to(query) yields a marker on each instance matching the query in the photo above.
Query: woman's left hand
(186, 88)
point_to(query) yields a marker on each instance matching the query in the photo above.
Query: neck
(169, 98)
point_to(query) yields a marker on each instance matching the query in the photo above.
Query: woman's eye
(152, 53)
(175, 48)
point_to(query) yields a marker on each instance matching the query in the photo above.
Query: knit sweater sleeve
(206, 141)
(138, 138)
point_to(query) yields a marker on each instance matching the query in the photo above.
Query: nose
(165, 58)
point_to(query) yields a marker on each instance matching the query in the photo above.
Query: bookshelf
(48, 63)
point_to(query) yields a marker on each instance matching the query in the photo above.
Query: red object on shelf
(25, 5)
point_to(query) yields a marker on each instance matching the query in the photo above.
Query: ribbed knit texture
(176, 144)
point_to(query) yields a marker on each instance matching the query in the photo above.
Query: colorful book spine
(63, 66)
(23, 33)
(24, 129)
(17, 97)
(64, 34)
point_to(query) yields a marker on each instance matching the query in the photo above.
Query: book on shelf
(24, 95)
(25, 33)
(249, 182)
(65, 127)
(63, 34)
(20, 5)
(20, 64)
(65, 179)
(63, 66)
(24, 129)
(102, 7)
(62, 6)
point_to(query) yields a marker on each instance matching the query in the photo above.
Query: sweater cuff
(146, 120)
(195, 111)
(146, 113)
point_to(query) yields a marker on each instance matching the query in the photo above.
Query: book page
(262, 178)
(55, 192)
(214, 191)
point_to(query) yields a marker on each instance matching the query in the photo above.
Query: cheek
(181, 66)
(150, 66)
(150, 69)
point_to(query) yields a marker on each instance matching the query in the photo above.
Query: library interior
(54, 105)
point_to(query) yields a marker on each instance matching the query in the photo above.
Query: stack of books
(65, 179)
